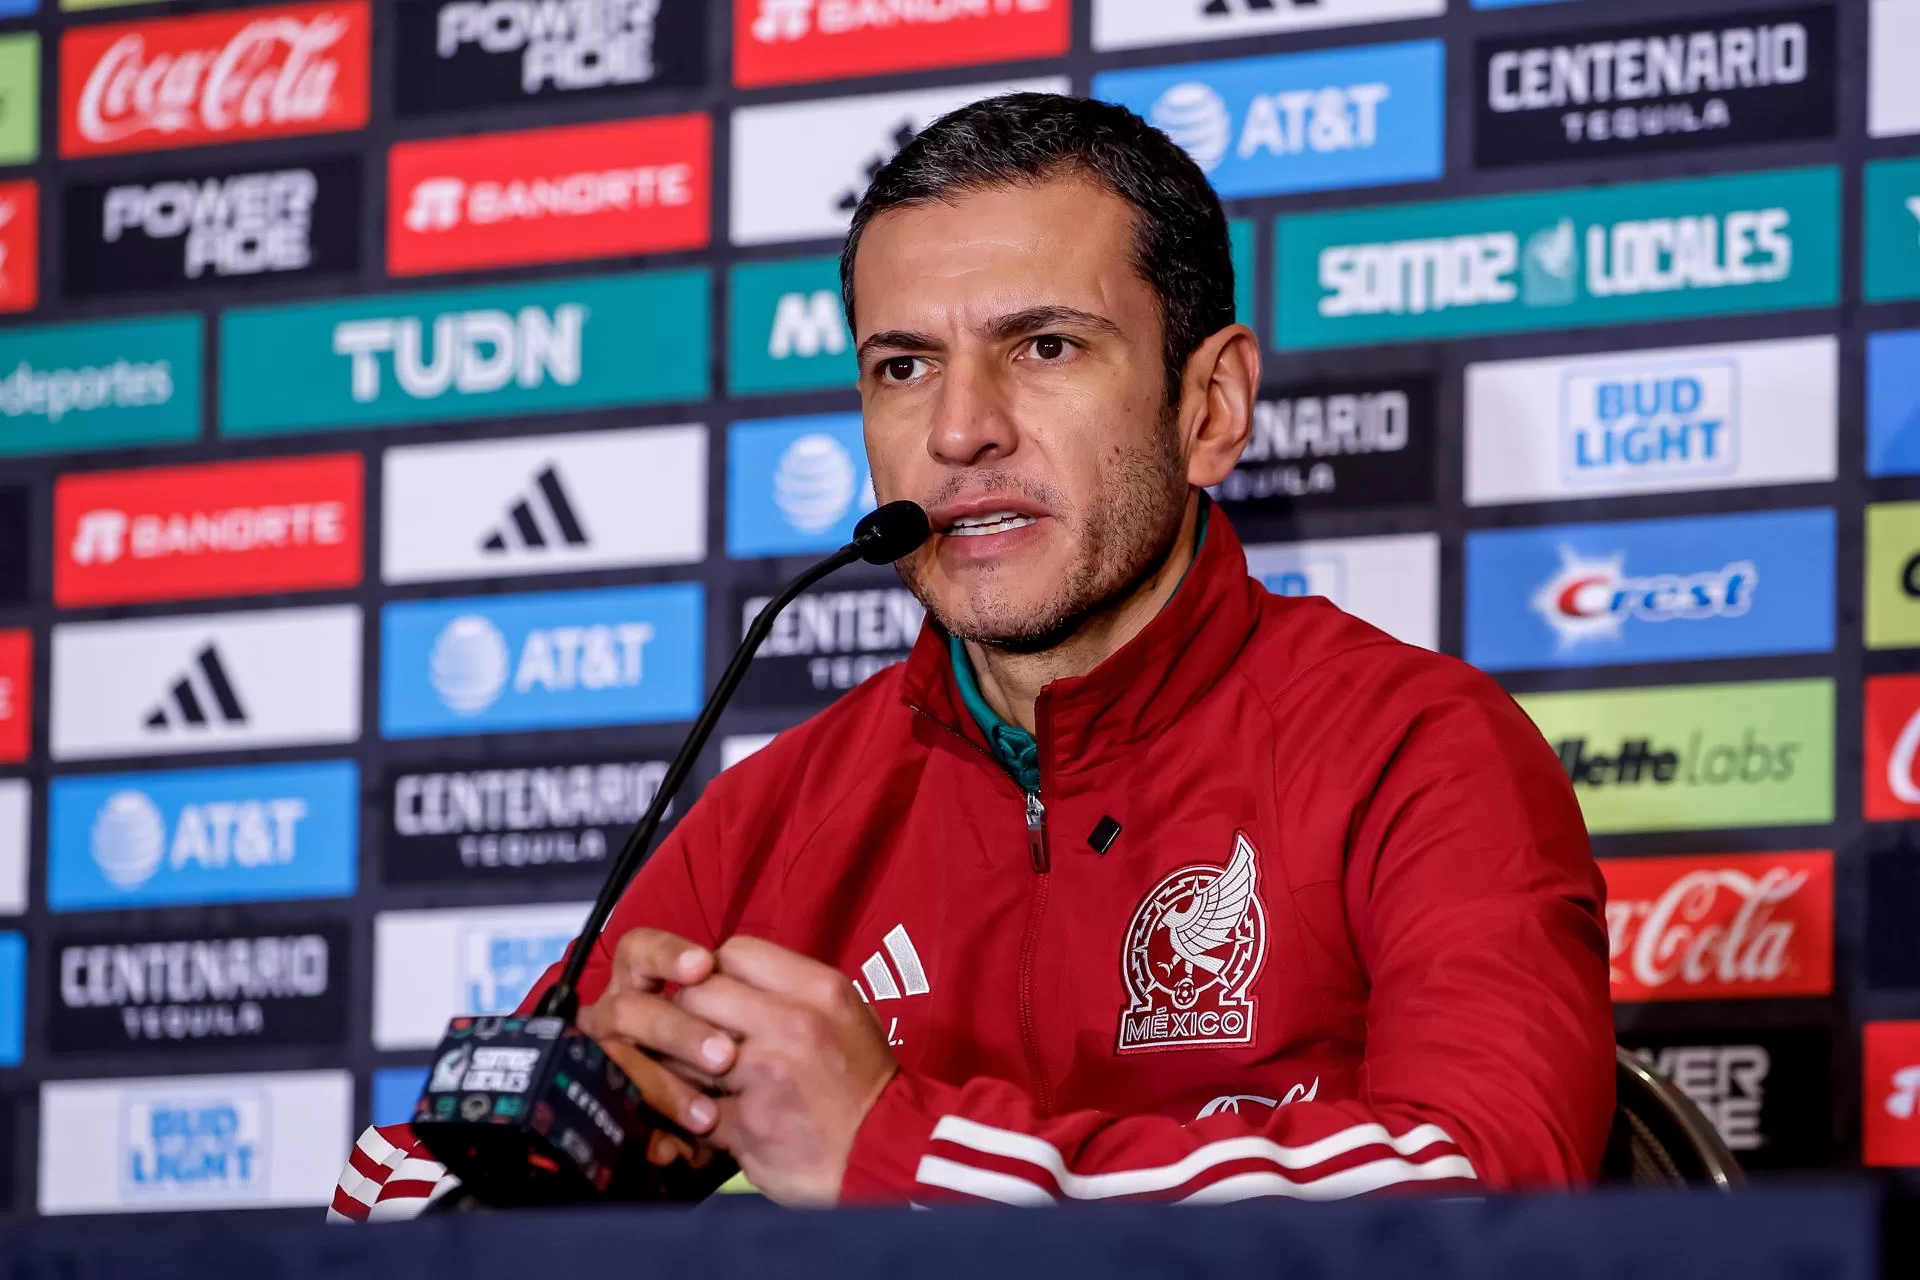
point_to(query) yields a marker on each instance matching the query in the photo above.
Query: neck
(1011, 682)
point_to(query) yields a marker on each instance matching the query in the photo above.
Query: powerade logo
(195, 1147)
(1650, 590)
(500, 962)
(91, 386)
(786, 328)
(1893, 403)
(1302, 121)
(210, 835)
(410, 357)
(1561, 259)
(795, 485)
(568, 658)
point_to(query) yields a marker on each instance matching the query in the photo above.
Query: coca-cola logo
(1892, 745)
(191, 81)
(1716, 927)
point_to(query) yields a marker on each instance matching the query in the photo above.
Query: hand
(671, 1056)
(811, 1062)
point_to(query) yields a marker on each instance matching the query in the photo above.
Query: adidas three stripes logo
(880, 980)
(523, 526)
(199, 702)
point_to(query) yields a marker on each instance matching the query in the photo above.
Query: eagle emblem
(1192, 952)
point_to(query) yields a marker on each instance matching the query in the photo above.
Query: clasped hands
(759, 1051)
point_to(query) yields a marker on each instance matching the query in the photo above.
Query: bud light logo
(1637, 426)
(1650, 590)
(1300, 121)
(552, 660)
(214, 835)
(195, 1148)
(796, 485)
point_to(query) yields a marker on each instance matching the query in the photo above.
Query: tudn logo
(814, 483)
(1196, 118)
(128, 835)
(523, 525)
(468, 666)
(188, 708)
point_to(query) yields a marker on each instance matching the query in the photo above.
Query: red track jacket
(1348, 936)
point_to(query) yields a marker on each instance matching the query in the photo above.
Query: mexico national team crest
(1191, 956)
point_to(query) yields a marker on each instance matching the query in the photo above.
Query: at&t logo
(815, 483)
(468, 665)
(130, 839)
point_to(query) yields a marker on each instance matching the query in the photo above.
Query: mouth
(992, 522)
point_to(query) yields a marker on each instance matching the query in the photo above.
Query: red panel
(1892, 743)
(19, 246)
(16, 695)
(792, 41)
(1720, 926)
(1890, 1094)
(226, 528)
(231, 76)
(549, 195)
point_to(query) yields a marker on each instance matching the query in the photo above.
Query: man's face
(1013, 384)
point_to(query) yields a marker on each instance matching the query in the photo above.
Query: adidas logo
(1222, 8)
(850, 198)
(188, 701)
(524, 529)
(880, 979)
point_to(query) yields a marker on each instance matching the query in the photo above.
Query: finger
(772, 967)
(645, 959)
(697, 1078)
(663, 1149)
(732, 1005)
(660, 1089)
(656, 1023)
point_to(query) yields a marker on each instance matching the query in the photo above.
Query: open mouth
(994, 522)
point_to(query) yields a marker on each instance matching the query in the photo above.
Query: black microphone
(529, 1110)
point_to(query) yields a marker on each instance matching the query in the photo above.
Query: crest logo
(1192, 952)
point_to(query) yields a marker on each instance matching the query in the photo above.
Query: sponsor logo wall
(395, 445)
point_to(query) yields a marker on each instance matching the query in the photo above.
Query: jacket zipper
(1036, 823)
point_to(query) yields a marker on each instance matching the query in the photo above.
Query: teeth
(980, 526)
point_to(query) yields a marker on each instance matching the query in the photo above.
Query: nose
(972, 424)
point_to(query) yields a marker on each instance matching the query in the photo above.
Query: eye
(1049, 346)
(900, 369)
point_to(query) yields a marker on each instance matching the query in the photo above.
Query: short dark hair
(1180, 244)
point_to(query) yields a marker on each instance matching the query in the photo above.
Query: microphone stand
(528, 1109)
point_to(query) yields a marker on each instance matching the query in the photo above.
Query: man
(1134, 880)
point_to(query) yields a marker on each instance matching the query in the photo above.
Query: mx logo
(524, 528)
(850, 198)
(202, 685)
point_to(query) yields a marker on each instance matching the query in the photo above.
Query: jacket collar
(1139, 691)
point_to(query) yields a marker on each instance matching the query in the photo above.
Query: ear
(1217, 393)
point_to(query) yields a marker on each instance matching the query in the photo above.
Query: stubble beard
(1125, 539)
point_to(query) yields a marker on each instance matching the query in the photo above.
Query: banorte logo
(16, 695)
(1720, 926)
(1892, 748)
(791, 41)
(219, 77)
(549, 195)
(1890, 1094)
(227, 528)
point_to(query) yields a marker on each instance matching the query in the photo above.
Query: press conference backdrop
(405, 404)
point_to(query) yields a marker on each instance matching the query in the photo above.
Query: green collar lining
(1013, 746)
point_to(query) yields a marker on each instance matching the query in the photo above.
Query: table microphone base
(530, 1111)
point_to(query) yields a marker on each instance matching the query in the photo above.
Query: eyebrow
(1011, 325)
